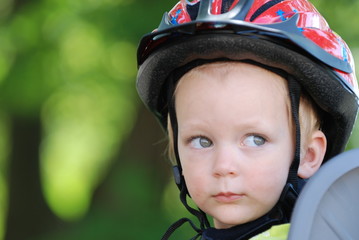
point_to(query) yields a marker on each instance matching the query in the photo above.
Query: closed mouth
(227, 197)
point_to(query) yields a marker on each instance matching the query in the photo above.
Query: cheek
(272, 180)
(196, 179)
(193, 175)
(194, 168)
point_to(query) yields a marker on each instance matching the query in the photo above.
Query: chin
(227, 218)
(225, 222)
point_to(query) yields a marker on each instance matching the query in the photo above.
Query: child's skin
(235, 140)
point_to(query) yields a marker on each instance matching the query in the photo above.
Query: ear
(313, 154)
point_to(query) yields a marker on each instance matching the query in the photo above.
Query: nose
(226, 162)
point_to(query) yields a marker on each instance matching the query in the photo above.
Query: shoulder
(278, 232)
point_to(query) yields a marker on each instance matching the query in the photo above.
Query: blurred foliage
(71, 66)
(4, 148)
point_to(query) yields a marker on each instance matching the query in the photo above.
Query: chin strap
(291, 190)
(294, 94)
(180, 182)
(287, 201)
(202, 217)
(178, 224)
(247, 230)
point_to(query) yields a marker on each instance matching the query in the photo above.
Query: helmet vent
(192, 9)
(264, 8)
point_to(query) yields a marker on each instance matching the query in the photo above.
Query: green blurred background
(80, 157)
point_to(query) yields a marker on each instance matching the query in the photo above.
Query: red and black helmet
(290, 35)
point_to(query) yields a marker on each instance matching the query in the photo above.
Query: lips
(228, 197)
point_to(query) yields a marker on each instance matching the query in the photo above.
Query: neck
(245, 231)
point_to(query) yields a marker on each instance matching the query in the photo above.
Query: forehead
(229, 91)
(245, 74)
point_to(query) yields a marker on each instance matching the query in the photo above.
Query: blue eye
(201, 142)
(254, 141)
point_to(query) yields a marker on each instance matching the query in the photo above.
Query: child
(254, 95)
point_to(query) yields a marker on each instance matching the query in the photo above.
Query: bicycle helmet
(286, 34)
(289, 35)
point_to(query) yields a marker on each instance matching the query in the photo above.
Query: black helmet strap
(179, 179)
(294, 94)
(177, 170)
(290, 192)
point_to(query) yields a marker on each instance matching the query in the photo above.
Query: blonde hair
(309, 119)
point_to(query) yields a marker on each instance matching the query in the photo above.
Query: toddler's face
(235, 140)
